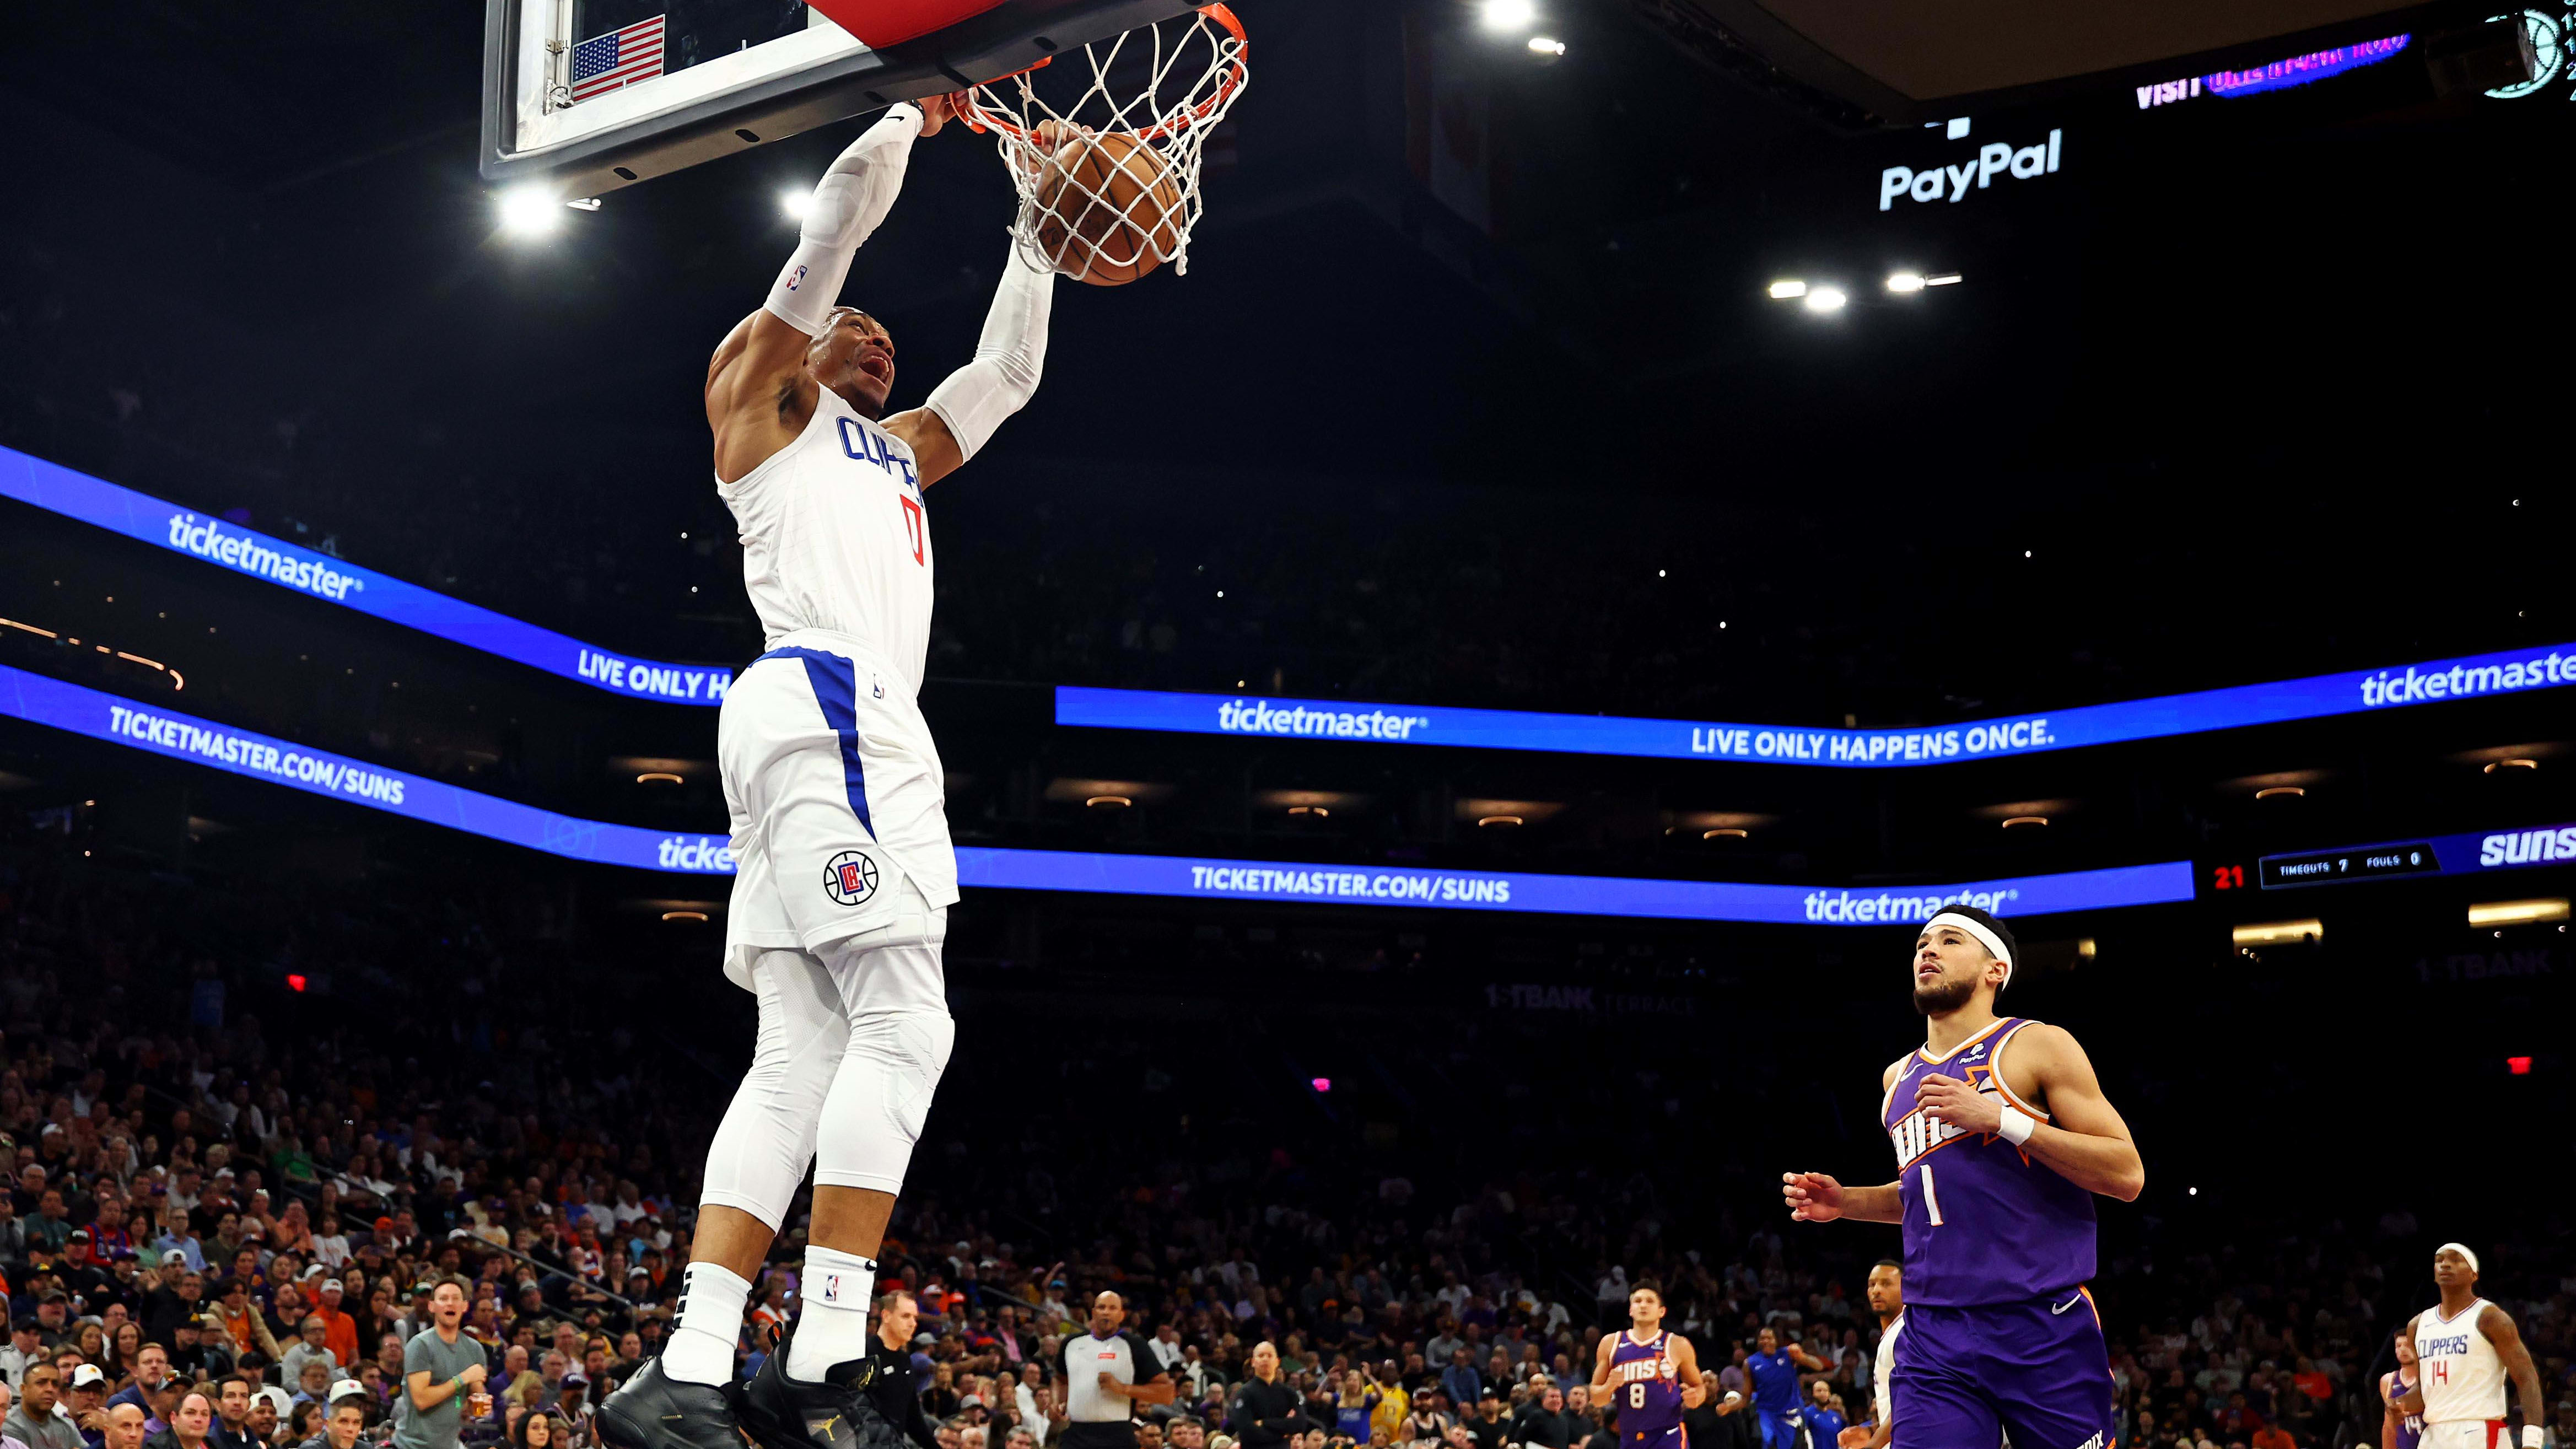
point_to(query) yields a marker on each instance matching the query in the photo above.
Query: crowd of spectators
(231, 1208)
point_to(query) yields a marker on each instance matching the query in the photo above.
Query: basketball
(1109, 210)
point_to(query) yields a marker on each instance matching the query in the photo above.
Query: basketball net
(1162, 87)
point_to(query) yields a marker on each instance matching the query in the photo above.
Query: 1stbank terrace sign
(316, 575)
(59, 704)
(2484, 676)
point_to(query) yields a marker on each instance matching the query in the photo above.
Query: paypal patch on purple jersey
(1984, 1221)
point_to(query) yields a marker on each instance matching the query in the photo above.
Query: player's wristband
(2533, 1436)
(2017, 1126)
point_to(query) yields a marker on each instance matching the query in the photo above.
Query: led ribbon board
(319, 576)
(2465, 854)
(2319, 697)
(98, 715)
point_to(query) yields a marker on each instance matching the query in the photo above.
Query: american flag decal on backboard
(622, 56)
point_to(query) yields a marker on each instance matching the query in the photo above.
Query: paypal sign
(320, 576)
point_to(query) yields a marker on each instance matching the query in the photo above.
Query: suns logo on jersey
(1916, 1134)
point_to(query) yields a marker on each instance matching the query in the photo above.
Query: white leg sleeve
(766, 1140)
(899, 1037)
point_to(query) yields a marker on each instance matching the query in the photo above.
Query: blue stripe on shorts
(836, 689)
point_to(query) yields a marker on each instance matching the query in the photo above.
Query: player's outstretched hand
(1853, 1437)
(1949, 1100)
(1812, 1196)
(936, 111)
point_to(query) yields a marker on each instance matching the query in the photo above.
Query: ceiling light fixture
(684, 915)
(1498, 822)
(1826, 299)
(1905, 281)
(2280, 792)
(2494, 767)
(1546, 45)
(1727, 832)
(2013, 821)
(1507, 14)
(1786, 290)
(1109, 802)
(659, 777)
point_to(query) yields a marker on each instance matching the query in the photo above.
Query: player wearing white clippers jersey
(1887, 1300)
(2464, 1350)
(840, 834)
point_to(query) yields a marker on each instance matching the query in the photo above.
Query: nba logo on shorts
(850, 879)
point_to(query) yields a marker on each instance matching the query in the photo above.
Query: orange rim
(979, 120)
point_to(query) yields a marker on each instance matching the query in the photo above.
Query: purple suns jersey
(1984, 1223)
(1643, 1390)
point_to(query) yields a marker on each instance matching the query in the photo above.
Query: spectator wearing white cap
(339, 1330)
(346, 1417)
(84, 1401)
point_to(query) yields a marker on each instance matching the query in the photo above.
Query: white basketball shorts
(836, 796)
(2465, 1434)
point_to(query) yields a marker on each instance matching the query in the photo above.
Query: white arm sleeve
(975, 398)
(851, 199)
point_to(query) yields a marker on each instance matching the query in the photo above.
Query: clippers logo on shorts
(850, 879)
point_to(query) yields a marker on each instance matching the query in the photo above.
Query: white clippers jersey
(834, 537)
(2460, 1372)
(1886, 1364)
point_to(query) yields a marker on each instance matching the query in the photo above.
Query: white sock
(832, 1324)
(701, 1348)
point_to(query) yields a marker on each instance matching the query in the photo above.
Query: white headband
(2463, 1250)
(1984, 936)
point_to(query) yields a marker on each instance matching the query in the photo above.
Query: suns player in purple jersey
(2399, 1429)
(2002, 1138)
(1641, 1374)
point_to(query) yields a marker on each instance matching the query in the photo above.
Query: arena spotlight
(1786, 290)
(1504, 15)
(1546, 45)
(1826, 299)
(794, 204)
(1905, 281)
(529, 211)
(1943, 279)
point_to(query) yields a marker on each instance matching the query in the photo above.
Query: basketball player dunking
(1641, 1374)
(2464, 1349)
(1996, 1168)
(844, 873)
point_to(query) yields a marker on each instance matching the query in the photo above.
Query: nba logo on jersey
(850, 879)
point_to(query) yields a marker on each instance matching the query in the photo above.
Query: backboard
(586, 96)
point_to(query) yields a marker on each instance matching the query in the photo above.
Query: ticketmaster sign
(319, 576)
(102, 716)
(2317, 697)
